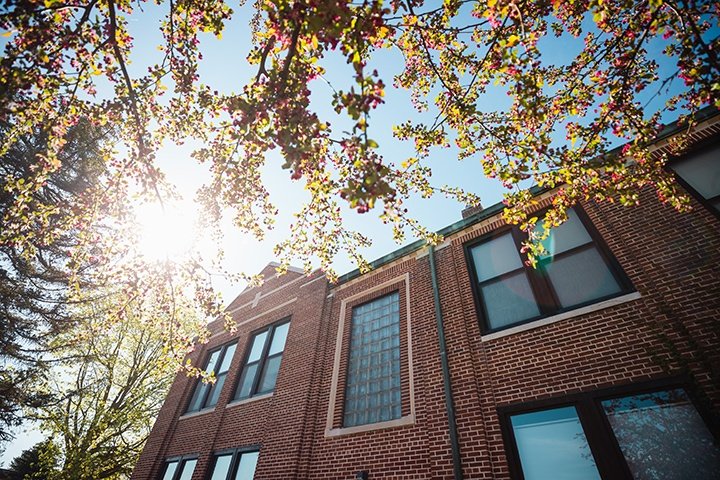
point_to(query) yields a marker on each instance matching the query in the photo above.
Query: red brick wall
(276, 422)
(671, 258)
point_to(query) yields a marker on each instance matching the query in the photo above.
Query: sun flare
(166, 232)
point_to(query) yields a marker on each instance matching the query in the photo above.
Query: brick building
(460, 362)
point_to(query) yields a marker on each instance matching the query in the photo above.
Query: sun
(166, 231)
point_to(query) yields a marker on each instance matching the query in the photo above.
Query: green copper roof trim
(667, 131)
(445, 231)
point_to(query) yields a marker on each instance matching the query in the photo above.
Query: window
(372, 384)
(650, 435)
(234, 465)
(263, 361)
(576, 271)
(372, 390)
(180, 468)
(206, 395)
(701, 172)
(538, 437)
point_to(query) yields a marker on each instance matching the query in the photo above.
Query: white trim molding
(334, 385)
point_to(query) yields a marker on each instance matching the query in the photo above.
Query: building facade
(459, 361)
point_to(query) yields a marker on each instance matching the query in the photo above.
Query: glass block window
(235, 465)
(701, 172)
(206, 394)
(179, 469)
(262, 363)
(372, 389)
(575, 271)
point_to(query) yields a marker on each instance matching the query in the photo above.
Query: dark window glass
(179, 469)
(235, 465)
(702, 172)
(552, 445)
(572, 273)
(261, 368)
(372, 391)
(206, 394)
(662, 436)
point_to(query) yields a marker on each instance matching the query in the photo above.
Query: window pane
(570, 234)
(222, 465)
(215, 391)
(269, 375)
(552, 445)
(279, 336)
(662, 436)
(495, 257)
(246, 469)
(509, 300)
(227, 359)
(187, 469)
(246, 380)
(581, 277)
(257, 347)
(212, 361)
(372, 392)
(198, 396)
(702, 172)
(170, 468)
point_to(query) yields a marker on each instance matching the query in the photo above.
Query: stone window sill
(563, 316)
(338, 432)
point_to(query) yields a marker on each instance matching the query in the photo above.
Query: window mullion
(545, 297)
(206, 391)
(233, 465)
(219, 361)
(262, 360)
(608, 457)
(179, 469)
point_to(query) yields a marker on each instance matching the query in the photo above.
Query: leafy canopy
(107, 387)
(34, 293)
(562, 116)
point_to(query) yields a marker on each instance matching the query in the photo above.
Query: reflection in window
(235, 465)
(552, 445)
(702, 172)
(503, 282)
(573, 272)
(662, 436)
(261, 368)
(574, 267)
(372, 392)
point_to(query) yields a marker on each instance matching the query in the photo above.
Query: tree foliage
(34, 292)
(31, 463)
(561, 117)
(108, 385)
